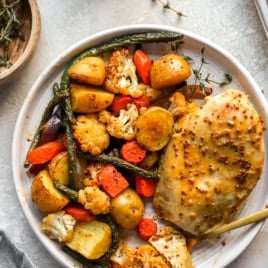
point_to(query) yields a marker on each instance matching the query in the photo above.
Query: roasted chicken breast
(211, 164)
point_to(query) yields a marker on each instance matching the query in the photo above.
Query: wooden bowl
(20, 51)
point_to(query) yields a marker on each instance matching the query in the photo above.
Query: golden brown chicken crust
(211, 164)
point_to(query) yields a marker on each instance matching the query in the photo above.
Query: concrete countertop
(234, 25)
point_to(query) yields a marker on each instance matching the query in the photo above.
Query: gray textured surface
(232, 24)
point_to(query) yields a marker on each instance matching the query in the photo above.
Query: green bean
(86, 262)
(107, 218)
(72, 194)
(108, 159)
(71, 146)
(71, 154)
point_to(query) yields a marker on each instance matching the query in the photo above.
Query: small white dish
(21, 51)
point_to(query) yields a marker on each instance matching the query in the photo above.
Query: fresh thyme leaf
(202, 85)
(201, 80)
(188, 59)
(228, 79)
(207, 78)
(166, 5)
(196, 73)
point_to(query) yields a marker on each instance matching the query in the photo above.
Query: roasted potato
(127, 209)
(169, 70)
(58, 168)
(89, 70)
(91, 239)
(89, 99)
(154, 128)
(45, 196)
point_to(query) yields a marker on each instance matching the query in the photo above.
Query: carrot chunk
(143, 65)
(146, 228)
(145, 187)
(120, 102)
(79, 212)
(142, 101)
(132, 152)
(112, 181)
(44, 153)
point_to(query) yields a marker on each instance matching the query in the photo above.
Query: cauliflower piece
(91, 134)
(122, 126)
(121, 74)
(59, 226)
(148, 256)
(95, 200)
(143, 256)
(151, 93)
(91, 172)
(123, 256)
(178, 104)
(169, 242)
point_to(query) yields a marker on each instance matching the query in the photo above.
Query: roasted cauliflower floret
(171, 244)
(148, 256)
(151, 93)
(59, 226)
(122, 126)
(121, 75)
(143, 256)
(123, 256)
(91, 173)
(91, 134)
(178, 104)
(95, 200)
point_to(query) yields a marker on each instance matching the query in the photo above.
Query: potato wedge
(58, 168)
(45, 196)
(91, 239)
(154, 128)
(89, 99)
(89, 70)
(169, 70)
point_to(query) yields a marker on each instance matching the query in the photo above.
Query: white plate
(206, 254)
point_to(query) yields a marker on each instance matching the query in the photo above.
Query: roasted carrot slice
(79, 212)
(44, 153)
(120, 102)
(146, 228)
(145, 187)
(132, 152)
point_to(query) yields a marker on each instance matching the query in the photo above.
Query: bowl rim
(31, 44)
(63, 59)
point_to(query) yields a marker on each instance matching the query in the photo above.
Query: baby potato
(58, 168)
(89, 70)
(127, 209)
(45, 196)
(89, 99)
(169, 70)
(154, 128)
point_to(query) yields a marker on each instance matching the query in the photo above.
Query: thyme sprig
(200, 79)
(166, 5)
(10, 26)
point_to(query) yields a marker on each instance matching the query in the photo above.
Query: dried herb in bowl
(10, 28)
